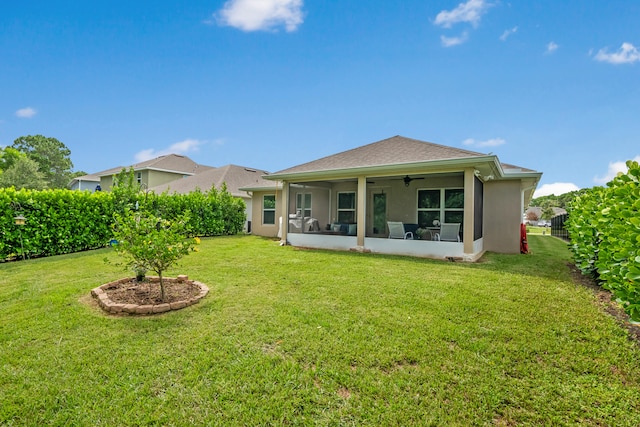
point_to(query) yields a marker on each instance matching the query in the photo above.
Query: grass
(301, 337)
(531, 229)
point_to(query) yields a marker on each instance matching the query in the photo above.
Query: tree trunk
(161, 287)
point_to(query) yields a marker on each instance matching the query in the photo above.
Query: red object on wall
(524, 247)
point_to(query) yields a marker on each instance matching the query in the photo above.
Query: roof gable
(390, 151)
(169, 163)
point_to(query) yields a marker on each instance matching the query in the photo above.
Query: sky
(552, 86)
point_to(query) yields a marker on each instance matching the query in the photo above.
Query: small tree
(531, 216)
(548, 213)
(148, 242)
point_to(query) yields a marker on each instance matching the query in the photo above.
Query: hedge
(64, 221)
(604, 227)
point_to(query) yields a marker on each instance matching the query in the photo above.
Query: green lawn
(301, 337)
(538, 230)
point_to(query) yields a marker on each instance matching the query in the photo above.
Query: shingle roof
(171, 162)
(95, 177)
(390, 151)
(234, 176)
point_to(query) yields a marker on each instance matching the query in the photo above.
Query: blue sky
(549, 85)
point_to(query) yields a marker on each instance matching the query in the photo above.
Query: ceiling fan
(407, 180)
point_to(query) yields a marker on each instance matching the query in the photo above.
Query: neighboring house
(179, 174)
(536, 211)
(86, 182)
(158, 171)
(91, 181)
(344, 201)
(233, 176)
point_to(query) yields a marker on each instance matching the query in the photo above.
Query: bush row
(64, 221)
(604, 227)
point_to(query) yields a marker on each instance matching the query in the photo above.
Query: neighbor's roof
(95, 177)
(175, 163)
(234, 176)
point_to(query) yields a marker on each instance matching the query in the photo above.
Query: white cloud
(627, 54)
(614, 169)
(257, 15)
(470, 12)
(182, 147)
(26, 113)
(552, 47)
(507, 33)
(557, 188)
(494, 142)
(454, 41)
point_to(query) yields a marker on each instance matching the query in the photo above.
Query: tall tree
(23, 173)
(51, 155)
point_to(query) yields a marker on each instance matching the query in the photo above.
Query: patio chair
(396, 231)
(449, 232)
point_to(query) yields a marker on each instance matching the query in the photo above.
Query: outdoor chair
(396, 231)
(449, 232)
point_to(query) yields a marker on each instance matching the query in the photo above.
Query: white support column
(469, 205)
(284, 211)
(362, 210)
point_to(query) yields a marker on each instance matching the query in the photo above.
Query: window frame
(351, 210)
(442, 210)
(301, 199)
(265, 209)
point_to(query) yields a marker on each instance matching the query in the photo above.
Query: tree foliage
(561, 201)
(51, 155)
(547, 213)
(8, 157)
(23, 173)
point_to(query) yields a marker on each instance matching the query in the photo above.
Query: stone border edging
(116, 308)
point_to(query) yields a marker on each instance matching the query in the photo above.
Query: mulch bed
(148, 293)
(128, 296)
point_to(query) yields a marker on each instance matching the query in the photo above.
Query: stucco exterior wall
(502, 216)
(257, 227)
(402, 202)
(152, 178)
(320, 202)
(106, 182)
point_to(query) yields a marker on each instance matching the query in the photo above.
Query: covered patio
(353, 213)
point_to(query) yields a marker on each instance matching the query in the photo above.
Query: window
(442, 204)
(139, 177)
(269, 209)
(303, 204)
(347, 208)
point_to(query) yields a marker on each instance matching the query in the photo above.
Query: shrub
(64, 221)
(604, 226)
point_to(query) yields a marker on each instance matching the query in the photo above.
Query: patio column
(284, 211)
(469, 190)
(361, 209)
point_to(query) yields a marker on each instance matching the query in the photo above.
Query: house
(533, 215)
(174, 173)
(233, 176)
(91, 181)
(345, 200)
(157, 171)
